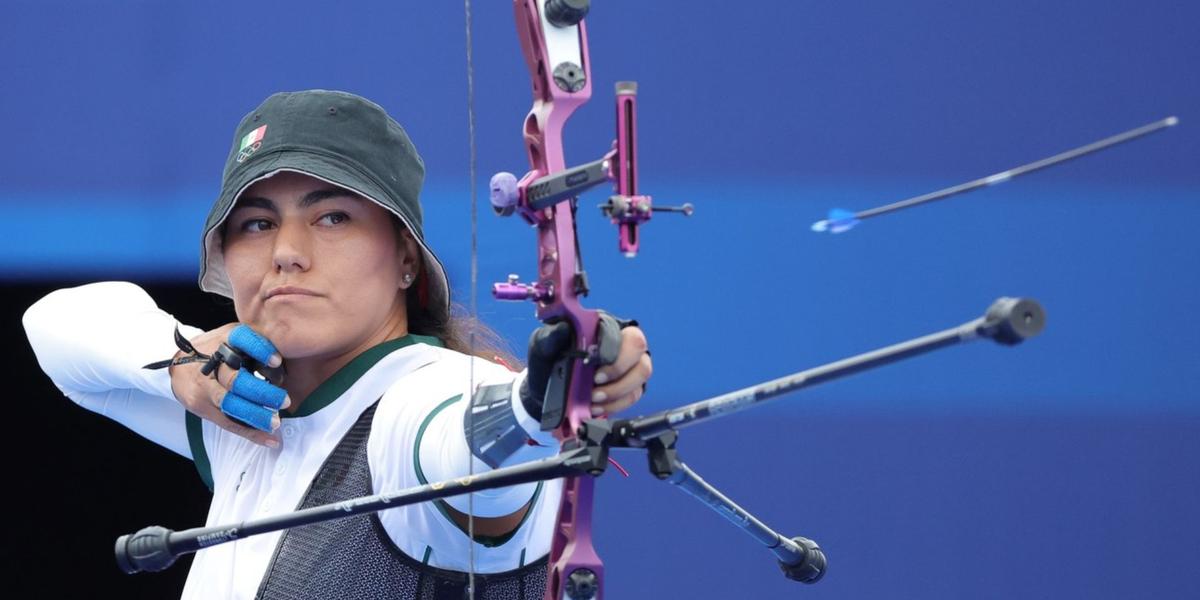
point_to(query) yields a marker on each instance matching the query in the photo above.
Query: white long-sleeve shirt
(93, 341)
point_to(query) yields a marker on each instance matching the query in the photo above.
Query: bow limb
(556, 54)
(553, 40)
(557, 57)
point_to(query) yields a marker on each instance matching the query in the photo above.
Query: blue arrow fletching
(839, 220)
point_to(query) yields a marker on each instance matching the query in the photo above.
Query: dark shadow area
(75, 481)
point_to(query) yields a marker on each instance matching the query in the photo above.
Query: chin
(296, 340)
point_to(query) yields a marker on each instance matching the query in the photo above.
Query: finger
(258, 391)
(225, 377)
(618, 405)
(631, 380)
(256, 346)
(212, 413)
(261, 438)
(633, 348)
(608, 338)
(254, 415)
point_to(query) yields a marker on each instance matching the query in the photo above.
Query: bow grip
(558, 384)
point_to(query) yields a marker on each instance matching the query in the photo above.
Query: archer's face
(315, 268)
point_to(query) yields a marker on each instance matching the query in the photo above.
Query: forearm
(93, 340)
(98, 336)
(158, 419)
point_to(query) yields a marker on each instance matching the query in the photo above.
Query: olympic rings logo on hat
(245, 153)
(251, 143)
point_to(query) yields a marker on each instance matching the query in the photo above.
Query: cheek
(245, 277)
(368, 267)
(369, 283)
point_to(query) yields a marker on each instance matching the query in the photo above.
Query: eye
(333, 218)
(256, 225)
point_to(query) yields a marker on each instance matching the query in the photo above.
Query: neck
(305, 375)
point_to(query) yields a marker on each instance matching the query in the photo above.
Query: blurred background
(1063, 468)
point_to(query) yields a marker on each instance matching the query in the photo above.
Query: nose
(292, 248)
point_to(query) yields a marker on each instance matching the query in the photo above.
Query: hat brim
(213, 275)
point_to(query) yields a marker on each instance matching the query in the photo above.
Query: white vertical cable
(474, 299)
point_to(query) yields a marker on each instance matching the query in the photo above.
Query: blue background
(1066, 467)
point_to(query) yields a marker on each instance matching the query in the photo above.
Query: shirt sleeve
(419, 437)
(92, 342)
(432, 431)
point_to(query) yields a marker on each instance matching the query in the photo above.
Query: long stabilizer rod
(156, 548)
(1008, 321)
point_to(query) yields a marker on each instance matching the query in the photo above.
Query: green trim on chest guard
(195, 435)
(329, 390)
(487, 541)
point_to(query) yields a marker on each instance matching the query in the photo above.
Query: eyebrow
(308, 200)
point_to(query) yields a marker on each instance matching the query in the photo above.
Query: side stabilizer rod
(800, 558)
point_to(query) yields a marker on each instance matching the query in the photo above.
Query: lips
(289, 290)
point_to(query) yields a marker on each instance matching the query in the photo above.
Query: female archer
(370, 384)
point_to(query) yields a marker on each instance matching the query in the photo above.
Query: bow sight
(627, 209)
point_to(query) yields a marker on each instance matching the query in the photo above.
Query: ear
(410, 253)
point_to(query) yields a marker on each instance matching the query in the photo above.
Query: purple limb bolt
(509, 291)
(512, 289)
(504, 194)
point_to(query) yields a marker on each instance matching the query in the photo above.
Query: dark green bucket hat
(337, 137)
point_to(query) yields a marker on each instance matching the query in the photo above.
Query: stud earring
(407, 279)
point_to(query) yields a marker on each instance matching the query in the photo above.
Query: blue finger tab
(237, 407)
(257, 390)
(247, 340)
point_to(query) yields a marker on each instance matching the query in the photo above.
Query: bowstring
(473, 295)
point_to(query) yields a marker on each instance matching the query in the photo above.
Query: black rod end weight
(146, 550)
(1011, 321)
(810, 568)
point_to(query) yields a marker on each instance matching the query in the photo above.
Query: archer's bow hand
(619, 383)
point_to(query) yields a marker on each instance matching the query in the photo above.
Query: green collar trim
(331, 389)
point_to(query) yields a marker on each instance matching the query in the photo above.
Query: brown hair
(458, 330)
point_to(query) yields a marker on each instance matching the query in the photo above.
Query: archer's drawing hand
(235, 400)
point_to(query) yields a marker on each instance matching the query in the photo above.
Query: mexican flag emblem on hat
(250, 143)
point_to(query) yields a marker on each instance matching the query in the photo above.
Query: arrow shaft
(1003, 176)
